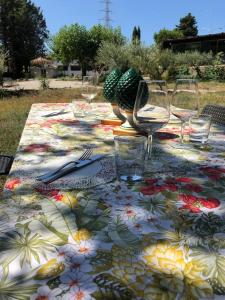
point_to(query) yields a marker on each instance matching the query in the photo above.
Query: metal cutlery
(87, 153)
(68, 170)
(62, 111)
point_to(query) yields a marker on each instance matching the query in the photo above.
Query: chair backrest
(217, 112)
(5, 164)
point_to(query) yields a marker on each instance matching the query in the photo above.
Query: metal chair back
(217, 113)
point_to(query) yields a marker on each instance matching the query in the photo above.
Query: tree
(136, 36)
(188, 25)
(76, 42)
(110, 56)
(23, 33)
(165, 34)
(100, 34)
(73, 42)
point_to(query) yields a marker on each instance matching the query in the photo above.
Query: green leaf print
(111, 288)
(121, 235)
(214, 267)
(60, 219)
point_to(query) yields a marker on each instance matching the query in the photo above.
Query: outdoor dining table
(89, 236)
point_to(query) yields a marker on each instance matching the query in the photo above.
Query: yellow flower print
(165, 258)
(81, 235)
(69, 199)
(50, 269)
(169, 261)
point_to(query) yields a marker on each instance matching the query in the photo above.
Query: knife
(55, 113)
(68, 170)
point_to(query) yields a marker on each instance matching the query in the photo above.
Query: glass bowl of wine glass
(89, 87)
(184, 103)
(151, 109)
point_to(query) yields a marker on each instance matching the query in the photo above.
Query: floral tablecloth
(162, 238)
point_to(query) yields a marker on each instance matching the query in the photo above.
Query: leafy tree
(165, 34)
(99, 34)
(188, 25)
(23, 32)
(76, 42)
(73, 42)
(136, 35)
(110, 56)
(148, 60)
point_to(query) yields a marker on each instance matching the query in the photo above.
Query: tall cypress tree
(139, 35)
(23, 32)
(136, 35)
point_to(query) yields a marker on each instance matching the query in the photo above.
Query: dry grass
(14, 110)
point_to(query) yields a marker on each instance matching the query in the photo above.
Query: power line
(107, 19)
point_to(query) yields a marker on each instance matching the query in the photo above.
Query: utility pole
(107, 13)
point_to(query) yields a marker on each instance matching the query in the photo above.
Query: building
(202, 43)
(58, 69)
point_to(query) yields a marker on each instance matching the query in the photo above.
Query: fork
(87, 153)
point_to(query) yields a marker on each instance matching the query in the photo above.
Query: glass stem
(149, 147)
(182, 132)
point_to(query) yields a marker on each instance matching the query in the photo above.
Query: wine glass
(151, 109)
(185, 101)
(89, 88)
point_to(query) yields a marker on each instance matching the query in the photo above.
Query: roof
(198, 38)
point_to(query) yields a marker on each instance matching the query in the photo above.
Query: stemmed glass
(82, 108)
(89, 88)
(185, 101)
(151, 109)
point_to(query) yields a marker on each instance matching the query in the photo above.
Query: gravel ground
(35, 84)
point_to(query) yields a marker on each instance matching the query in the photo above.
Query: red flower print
(189, 199)
(12, 184)
(49, 123)
(171, 187)
(58, 197)
(178, 180)
(210, 203)
(194, 204)
(150, 190)
(183, 179)
(130, 212)
(171, 181)
(191, 208)
(50, 193)
(37, 148)
(151, 181)
(153, 188)
(193, 187)
(213, 173)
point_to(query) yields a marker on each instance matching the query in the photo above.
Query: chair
(5, 164)
(217, 113)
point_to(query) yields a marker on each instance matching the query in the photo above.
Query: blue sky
(150, 15)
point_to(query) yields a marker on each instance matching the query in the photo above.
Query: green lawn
(14, 110)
